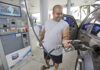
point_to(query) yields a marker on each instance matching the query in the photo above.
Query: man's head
(57, 12)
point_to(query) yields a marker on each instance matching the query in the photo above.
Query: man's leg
(47, 62)
(47, 59)
(46, 66)
(57, 60)
(56, 66)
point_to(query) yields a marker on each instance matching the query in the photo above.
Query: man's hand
(66, 43)
(40, 44)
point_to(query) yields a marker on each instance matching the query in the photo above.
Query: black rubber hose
(31, 22)
(76, 63)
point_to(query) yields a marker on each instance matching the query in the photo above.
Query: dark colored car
(89, 31)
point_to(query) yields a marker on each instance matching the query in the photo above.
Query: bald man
(55, 33)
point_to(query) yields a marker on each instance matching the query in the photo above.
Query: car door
(74, 33)
(95, 44)
(73, 26)
(90, 32)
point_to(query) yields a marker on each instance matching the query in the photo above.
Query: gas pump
(14, 34)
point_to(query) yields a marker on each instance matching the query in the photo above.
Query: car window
(92, 19)
(73, 26)
(70, 21)
(86, 26)
(96, 30)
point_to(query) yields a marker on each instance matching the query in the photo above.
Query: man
(55, 33)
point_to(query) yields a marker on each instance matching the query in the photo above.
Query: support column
(43, 11)
(68, 7)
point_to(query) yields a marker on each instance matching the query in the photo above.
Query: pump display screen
(9, 10)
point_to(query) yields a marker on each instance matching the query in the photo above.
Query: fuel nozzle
(79, 45)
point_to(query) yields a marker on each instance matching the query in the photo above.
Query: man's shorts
(56, 59)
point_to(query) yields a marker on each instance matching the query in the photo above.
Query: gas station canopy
(34, 5)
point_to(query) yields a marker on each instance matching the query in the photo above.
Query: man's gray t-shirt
(53, 35)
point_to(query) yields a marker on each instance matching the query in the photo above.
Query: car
(89, 31)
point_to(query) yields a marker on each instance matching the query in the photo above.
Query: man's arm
(42, 37)
(66, 34)
(65, 38)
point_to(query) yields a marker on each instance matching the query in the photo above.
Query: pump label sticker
(15, 56)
